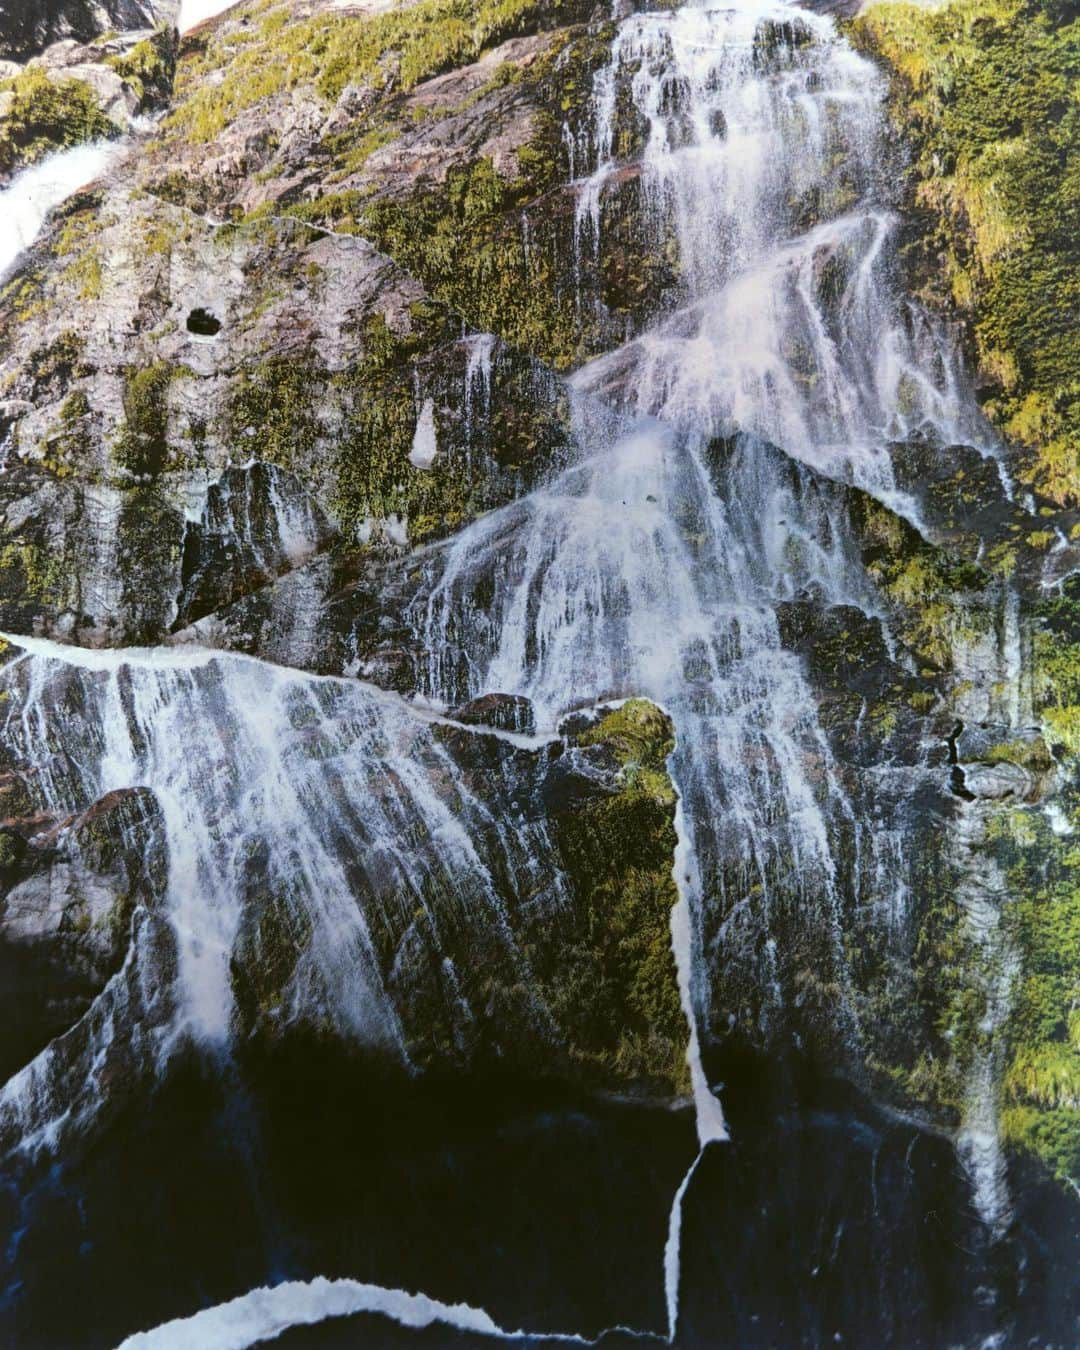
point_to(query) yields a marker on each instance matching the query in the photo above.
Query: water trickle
(32, 194)
(481, 351)
(318, 798)
(425, 445)
(653, 565)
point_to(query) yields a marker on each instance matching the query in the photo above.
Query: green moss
(86, 274)
(465, 244)
(70, 443)
(278, 398)
(12, 850)
(329, 51)
(142, 444)
(930, 590)
(149, 67)
(368, 412)
(1057, 667)
(617, 985)
(50, 368)
(1042, 1079)
(45, 115)
(36, 574)
(999, 177)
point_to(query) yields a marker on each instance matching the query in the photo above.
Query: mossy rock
(44, 114)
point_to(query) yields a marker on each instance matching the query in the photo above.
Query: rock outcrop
(258, 381)
(28, 29)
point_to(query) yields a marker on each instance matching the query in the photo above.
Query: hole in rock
(202, 322)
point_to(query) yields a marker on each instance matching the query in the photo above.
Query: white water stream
(31, 195)
(194, 12)
(652, 566)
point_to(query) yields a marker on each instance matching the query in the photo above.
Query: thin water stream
(652, 566)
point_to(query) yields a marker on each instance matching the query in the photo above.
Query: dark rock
(70, 892)
(12, 853)
(507, 712)
(391, 668)
(959, 492)
(26, 26)
(203, 323)
(258, 523)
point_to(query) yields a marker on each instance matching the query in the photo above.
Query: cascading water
(194, 12)
(274, 787)
(654, 565)
(32, 194)
(766, 159)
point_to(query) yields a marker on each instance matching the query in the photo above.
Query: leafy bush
(44, 115)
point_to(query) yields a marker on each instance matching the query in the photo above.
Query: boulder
(506, 712)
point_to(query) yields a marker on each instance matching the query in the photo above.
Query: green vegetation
(464, 240)
(149, 68)
(465, 243)
(926, 585)
(142, 444)
(277, 399)
(50, 368)
(46, 115)
(461, 237)
(329, 51)
(986, 92)
(28, 569)
(1057, 667)
(614, 982)
(70, 444)
(1042, 1079)
(372, 408)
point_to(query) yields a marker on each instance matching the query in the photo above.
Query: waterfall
(654, 564)
(27, 200)
(766, 161)
(194, 12)
(319, 799)
(703, 496)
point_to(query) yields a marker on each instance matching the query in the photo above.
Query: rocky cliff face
(525, 591)
(991, 193)
(27, 29)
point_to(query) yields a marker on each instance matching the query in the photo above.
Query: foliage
(1042, 1080)
(44, 115)
(926, 585)
(142, 445)
(465, 244)
(276, 399)
(149, 67)
(986, 92)
(619, 850)
(328, 51)
(1057, 666)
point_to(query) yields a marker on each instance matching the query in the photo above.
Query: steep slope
(986, 94)
(597, 661)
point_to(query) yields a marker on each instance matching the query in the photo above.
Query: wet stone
(505, 712)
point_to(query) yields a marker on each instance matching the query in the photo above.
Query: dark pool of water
(823, 1223)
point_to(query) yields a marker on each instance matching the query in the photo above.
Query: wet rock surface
(71, 888)
(287, 398)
